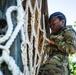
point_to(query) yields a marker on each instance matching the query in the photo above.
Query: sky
(67, 7)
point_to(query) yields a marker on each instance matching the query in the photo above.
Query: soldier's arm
(46, 47)
(68, 45)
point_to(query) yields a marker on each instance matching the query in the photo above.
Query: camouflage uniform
(57, 63)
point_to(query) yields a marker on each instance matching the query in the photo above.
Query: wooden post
(45, 12)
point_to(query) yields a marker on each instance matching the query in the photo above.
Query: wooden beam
(45, 12)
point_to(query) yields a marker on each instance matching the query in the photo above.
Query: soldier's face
(56, 25)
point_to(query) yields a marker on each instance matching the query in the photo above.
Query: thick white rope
(20, 19)
(12, 67)
(9, 23)
(5, 53)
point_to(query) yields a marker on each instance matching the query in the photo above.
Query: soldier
(62, 43)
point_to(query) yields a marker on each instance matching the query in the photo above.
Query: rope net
(34, 35)
(31, 24)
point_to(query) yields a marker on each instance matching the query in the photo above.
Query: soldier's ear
(63, 22)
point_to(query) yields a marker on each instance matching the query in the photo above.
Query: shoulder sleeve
(68, 44)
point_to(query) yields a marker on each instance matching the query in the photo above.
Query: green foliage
(75, 24)
(72, 64)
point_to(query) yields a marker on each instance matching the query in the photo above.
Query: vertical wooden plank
(45, 12)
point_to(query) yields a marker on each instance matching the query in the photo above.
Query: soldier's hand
(51, 42)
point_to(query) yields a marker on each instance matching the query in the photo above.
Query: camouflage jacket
(65, 42)
(57, 62)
